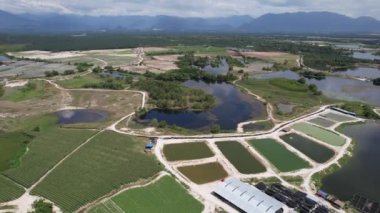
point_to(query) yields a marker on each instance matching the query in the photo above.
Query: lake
(233, 107)
(337, 88)
(362, 169)
(79, 116)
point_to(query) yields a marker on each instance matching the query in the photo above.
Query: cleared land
(337, 117)
(283, 159)
(48, 147)
(274, 57)
(166, 196)
(240, 157)
(322, 122)
(320, 134)
(9, 190)
(104, 164)
(204, 173)
(313, 150)
(187, 151)
(12, 147)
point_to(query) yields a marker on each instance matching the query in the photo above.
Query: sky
(192, 8)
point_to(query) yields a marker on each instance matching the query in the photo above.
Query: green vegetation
(80, 81)
(12, 147)
(1, 90)
(187, 151)
(376, 82)
(278, 155)
(267, 181)
(150, 199)
(82, 67)
(294, 180)
(109, 83)
(9, 190)
(40, 206)
(32, 90)
(204, 173)
(240, 157)
(361, 109)
(50, 145)
(320, 134)
(97, 168)
(280, 90)
(313, 150)
(318, 177)
(313, 75)
(258, 126)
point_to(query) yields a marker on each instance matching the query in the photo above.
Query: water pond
(79, 116)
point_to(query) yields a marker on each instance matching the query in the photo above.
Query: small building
(322, 194)
(247, 198)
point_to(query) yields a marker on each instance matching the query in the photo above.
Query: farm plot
(204, 173)
(313, 150)
(187, 151)
(151, 199)
(12, 147)
(322, 122)
(338, 117)
(106, 163)
(44, 151)
(9, 190)
(283, 159)
(320, 134)
(240, 157)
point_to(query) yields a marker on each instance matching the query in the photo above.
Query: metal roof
(246, 197)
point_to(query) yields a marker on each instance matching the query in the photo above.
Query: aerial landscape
(204, 106)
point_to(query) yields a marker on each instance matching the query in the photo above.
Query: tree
(302, 80)
(40, 206)
(376, 81)
(154, 123)
(162, 124)
(215, 128)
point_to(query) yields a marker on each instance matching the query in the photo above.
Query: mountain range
(300, 22)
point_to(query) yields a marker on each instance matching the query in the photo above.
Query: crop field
(283, 159)
(31, 69)
(187, 151)
(240, 157)
(12, 147)
(313, 150)
(9, 190)
(337, 117)
(149, 198)
(322, 122)
(104, 164)
(204, 173)
(320, 134)
(45, 150)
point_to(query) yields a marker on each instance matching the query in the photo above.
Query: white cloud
(199, 8)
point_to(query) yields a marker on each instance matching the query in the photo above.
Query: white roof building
(248, 198)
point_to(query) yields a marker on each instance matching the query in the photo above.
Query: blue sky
(198, 8)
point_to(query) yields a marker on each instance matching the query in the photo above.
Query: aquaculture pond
(313, 150)
(240, 157)
(222, 69)
(187, 151)
(363, 167)
(361, 72)
(233, 107)
(336, 87)
(204, 173)
(80, 116)
(365, 55)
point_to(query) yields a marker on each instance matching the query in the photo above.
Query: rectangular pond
(283, 159)
(322, 122)
(313, 150)
(319, 133)
(187, 151)
(240, 157)
(337, 117)
(204, 173)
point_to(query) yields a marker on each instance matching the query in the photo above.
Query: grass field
(33, 90)
(106, 163)
(279, 90)
(187, 151)
(12, 147)
(320, 134)
(322, 122)
(9, 190)
(164, 196)
(45, 150)
(283, 159)
(204, 173)
(80, 81)
(240, 157)
(312, 149)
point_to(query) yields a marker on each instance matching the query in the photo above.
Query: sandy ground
(46, 55)
(16, 83)
(263, 54)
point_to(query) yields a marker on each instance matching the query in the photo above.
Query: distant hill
(313, 22)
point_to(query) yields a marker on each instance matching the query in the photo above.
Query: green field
(280, 90)
(283, 159)
(313, 150)
(204, 173)
(187, 151)
(45, 150)
(164, 196)
(240, 157)
(12, 147)
(104, 164)
(33, 90)
(80, 81)
(320, 134)
(9, 190)
(322, 122)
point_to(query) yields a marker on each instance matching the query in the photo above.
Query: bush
(40, 206)
(376, 81)
(68, 72)
(51, 73)
(215, 128)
